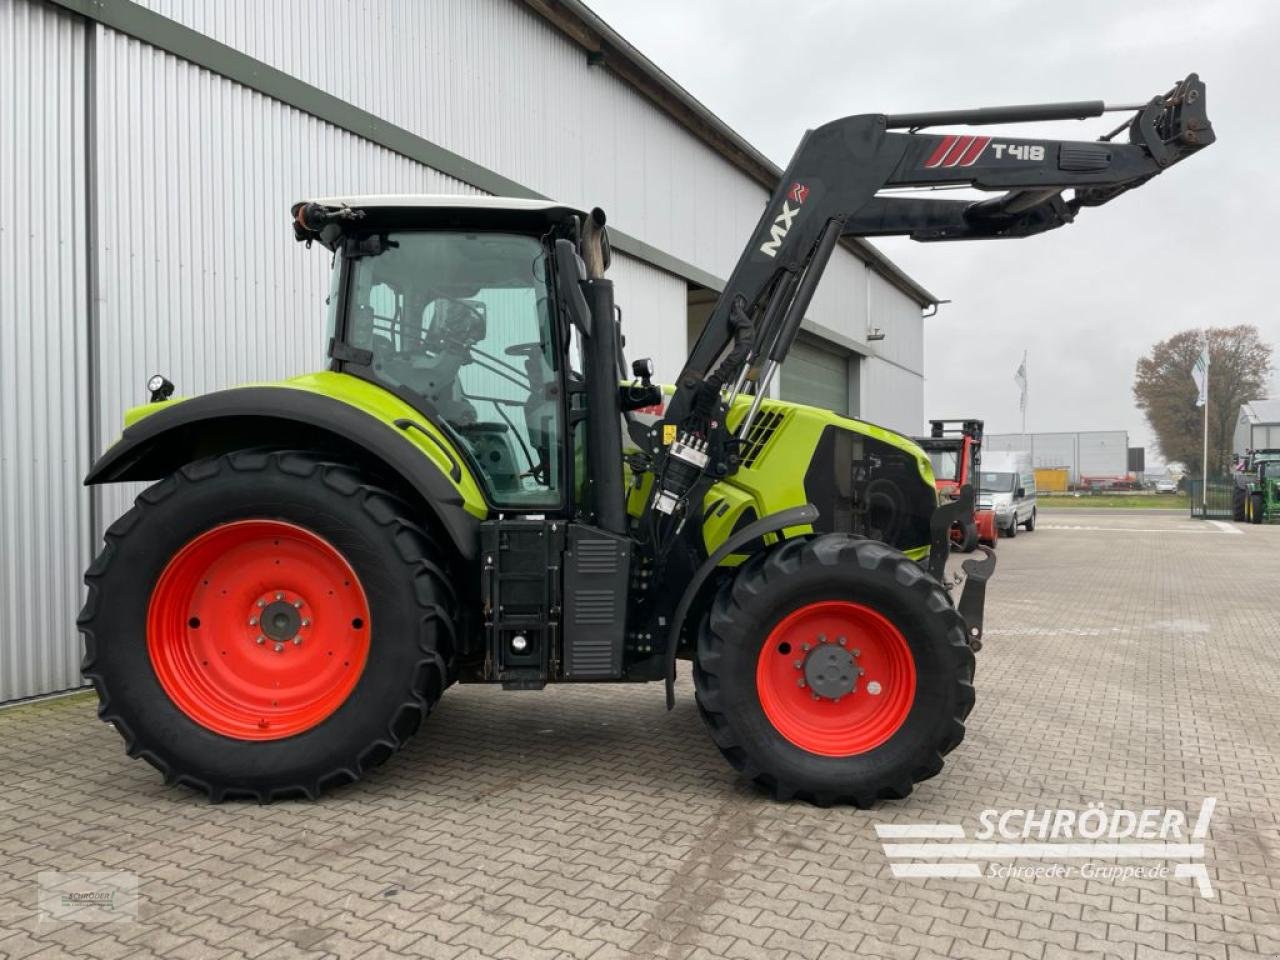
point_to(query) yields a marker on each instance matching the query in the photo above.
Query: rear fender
(397, 444)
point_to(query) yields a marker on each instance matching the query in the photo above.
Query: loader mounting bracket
(974, 596)
(940, 530)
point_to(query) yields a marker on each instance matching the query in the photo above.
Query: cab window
(461, 320)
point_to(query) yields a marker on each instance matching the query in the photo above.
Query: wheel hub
(830, 670)
(280, 617)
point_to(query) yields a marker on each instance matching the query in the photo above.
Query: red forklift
(955, 450)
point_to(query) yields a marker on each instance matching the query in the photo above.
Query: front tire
(266, 625)
(1257, 509)
(887, 672)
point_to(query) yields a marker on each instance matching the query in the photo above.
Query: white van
(1008, 487)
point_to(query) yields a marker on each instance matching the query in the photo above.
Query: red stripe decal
(954, 154)
(975, 151)
(944, 145)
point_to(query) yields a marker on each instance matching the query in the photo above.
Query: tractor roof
(411, 210)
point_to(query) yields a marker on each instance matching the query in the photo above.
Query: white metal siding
(1091, 453)
(899, 319)
(494, 82)
(43, 394)
(891, 397)
(653, 305)
(200, 278)
(1104, 453)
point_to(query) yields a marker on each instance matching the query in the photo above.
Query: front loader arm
(832, 189)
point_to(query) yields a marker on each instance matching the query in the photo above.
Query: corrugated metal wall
(651, 299)
(474, 76)
(44, 520)
(1089, 453)
(200, 278)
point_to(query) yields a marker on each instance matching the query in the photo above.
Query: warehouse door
(817, 374)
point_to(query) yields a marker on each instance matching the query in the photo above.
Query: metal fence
(1214, 501)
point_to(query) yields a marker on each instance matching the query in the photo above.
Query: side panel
(44, 513)
(797, 455)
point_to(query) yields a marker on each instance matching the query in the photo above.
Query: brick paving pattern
(1133, 660)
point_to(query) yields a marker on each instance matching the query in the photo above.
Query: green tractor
(1258, 488)
(476, 490)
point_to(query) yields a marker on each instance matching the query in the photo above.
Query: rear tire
(864, 746)
(1031, 521)
(1239, 499)
(182, 672)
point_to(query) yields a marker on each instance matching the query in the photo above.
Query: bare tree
(1239, 370)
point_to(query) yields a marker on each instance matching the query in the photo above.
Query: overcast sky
(1196, 246)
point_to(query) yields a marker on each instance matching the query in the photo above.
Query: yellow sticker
(668, 434)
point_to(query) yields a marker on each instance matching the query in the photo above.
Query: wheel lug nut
(857, 652)
(861, 671)
(297, 604)
(805, 647)
(297, 641)
(822, 638)
(306, 623)
(800, 682)
(279, 596)
(253, 621)
(797, 664)
(815, 696)
(842, 640)
(279, 647)
(261, 639)
(262, 603)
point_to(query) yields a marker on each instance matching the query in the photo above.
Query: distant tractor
(1256, 498)
(955, 450)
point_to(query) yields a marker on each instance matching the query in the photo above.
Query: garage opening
(820, 374)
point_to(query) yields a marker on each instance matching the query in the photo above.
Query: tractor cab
(448, 303)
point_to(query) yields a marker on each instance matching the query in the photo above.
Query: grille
(596, 556)
(762, 431)
(593, 607)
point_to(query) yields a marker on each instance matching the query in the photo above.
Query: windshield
(461, 321)
(997, 482)
(946, 464)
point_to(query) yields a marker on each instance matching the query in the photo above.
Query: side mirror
(570, 272)
(1020, 493)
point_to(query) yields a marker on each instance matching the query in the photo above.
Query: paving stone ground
(1130, 660)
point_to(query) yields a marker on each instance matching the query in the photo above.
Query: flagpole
(1024, 393)
(1204, 462)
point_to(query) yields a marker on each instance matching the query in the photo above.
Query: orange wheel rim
(836, 678)
(258, 629)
